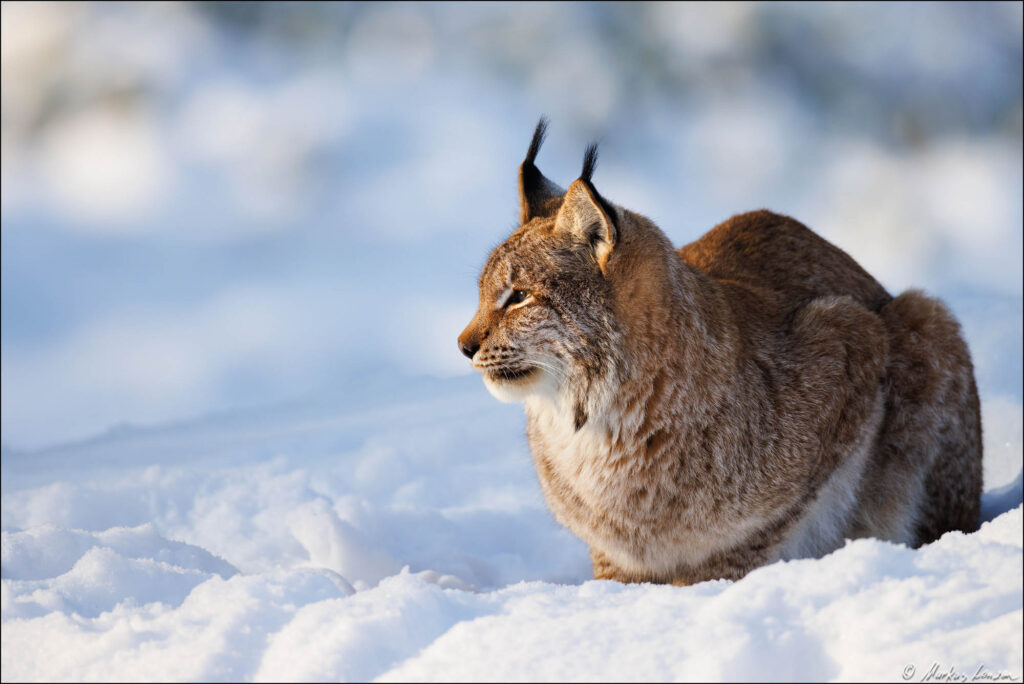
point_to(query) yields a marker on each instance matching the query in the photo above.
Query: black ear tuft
(589, 162)
(538, 140)
(537, 195)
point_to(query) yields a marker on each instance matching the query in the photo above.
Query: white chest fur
(579, 456)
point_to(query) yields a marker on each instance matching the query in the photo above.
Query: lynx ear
(587, 216)
(537, 195)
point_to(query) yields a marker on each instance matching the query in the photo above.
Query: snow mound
(867, 611)
(51, 569)
(48, 551)
(216, 633)
(870, 610)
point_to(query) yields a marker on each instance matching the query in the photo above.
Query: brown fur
(754, 395)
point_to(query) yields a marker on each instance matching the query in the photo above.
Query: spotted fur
(754, 395)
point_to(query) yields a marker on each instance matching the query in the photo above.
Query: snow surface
(264, 224)
(376, 538)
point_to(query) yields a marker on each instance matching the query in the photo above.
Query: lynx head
(546, 324)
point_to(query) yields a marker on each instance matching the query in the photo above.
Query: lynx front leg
(604, 568)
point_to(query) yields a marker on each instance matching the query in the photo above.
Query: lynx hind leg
(925, 475)
(842, 350)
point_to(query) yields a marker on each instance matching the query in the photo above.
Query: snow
(866, 611)
(323, 542)
(238, 440)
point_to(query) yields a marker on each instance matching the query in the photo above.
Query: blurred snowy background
(239, 240)
(220, 205)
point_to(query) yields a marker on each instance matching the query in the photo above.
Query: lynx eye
(516, 297)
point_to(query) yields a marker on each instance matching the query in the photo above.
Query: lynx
(755, 395)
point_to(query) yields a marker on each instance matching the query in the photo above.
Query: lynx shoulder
(755, 395)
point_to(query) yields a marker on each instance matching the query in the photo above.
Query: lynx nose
(468, 348)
